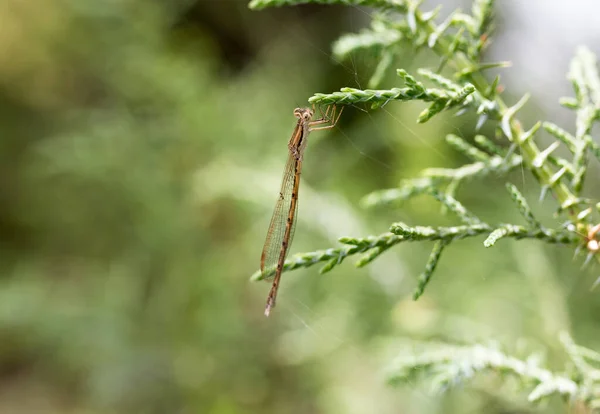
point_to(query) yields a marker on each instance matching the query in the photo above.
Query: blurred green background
(142, 144)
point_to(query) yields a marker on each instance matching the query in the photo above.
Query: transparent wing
(284, 215)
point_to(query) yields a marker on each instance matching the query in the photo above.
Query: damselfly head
(303, 113)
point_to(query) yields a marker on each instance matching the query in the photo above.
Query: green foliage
(446, 365)
(460, 42)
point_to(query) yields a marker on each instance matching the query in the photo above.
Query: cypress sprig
(477, 100)
(483, 13)
(467, 149)
(425, 277)
(579, 356)
(396, 196)
(523, 206)
(333, 256)
(594, 147)
(441, 99)
(448, 234)
(377, 37)
(350, 96)
(580, 164)
(449, 365)
(583, 74)
(396, 5)
(454, 206)
(499, 163)
(438, 177)
(550, 236)
(488, 145)
(386, 61)
(564, 136)
(496, 164)
(466, 72)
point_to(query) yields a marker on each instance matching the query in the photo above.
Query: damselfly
(283, 222)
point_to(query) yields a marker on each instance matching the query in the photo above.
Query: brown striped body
(283, 221)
